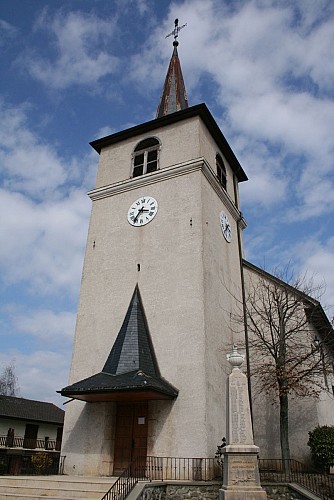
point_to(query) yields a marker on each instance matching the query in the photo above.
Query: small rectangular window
(221, 170)
(152, 156)
(138, 165)
(138, 171)
(152, 161)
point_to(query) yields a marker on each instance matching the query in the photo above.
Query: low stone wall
(209, 491)
(180, 491)
(282, 492)
(153, 493)
(200, 492)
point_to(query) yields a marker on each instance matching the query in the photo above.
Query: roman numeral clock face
(142, 211)
(225, 226)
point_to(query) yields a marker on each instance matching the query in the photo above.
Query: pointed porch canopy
(131, 372)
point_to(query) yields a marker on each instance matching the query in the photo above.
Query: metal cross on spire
(175, 32)
(173, 97)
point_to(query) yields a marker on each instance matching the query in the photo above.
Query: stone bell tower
(160, 285)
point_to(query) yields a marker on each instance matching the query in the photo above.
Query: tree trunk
(284, 430)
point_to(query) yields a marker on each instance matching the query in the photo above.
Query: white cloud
(105, 131)
(267, 185)
(317, 259)
(271, 72)
(44, 213)
(44, 243)
(48, 326)
(7, 31)
(81, 43)
(29, 164)
(40, 374)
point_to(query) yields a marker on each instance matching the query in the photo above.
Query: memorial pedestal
(241, 474)
(241, 480)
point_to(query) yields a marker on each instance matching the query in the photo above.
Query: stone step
(54, 487)
(58, 481)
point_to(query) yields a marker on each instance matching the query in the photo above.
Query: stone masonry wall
(181, 491)
(210, 492)
(282, 492)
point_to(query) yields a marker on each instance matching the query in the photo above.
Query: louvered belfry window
(221, 170)
(146, 157)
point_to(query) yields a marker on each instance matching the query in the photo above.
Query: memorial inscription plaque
(239, 429)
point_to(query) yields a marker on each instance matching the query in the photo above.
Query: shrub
(321, 442)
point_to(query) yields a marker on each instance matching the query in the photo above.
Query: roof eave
(121, 394)
(32, 419)
(200, 110)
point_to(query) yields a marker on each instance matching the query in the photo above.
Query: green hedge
(321, 442)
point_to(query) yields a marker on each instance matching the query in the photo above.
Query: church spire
(173, 97)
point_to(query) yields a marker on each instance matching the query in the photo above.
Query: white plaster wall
(188, 278)
(87, 438)
(169, 251)
(179, 143)
(222, 286)
(304, 413)
(209, 150)
(19, 427)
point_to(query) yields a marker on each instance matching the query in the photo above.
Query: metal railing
(126, 481)
(29, 443)
(163, 468)
(206, 469)
(292, 471)
(186, 469)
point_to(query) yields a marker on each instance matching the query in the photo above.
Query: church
(164, 278)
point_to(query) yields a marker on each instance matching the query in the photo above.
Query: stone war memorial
(241, 472)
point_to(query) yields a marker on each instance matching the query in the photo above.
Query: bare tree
(8, 381)
(283, 317)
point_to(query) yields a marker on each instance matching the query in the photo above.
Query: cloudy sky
(77, 70)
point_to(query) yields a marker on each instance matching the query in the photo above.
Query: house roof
(28, 409)
(131, 370)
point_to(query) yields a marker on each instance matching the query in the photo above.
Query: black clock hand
(140, 211)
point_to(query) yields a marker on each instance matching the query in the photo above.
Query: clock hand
(140, 211)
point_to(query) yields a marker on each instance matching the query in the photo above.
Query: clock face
(225, 226)
(142, 211)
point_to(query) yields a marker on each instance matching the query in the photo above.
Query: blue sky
(76, 70)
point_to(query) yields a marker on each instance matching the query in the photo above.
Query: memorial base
(241, 474)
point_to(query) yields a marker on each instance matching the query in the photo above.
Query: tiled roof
(131, 364)
(28, 409)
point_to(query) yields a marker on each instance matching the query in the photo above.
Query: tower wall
(189, 277)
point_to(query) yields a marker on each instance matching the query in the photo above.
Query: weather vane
(175, 32)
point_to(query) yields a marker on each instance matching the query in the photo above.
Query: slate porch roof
(131, 370)
(27, 409)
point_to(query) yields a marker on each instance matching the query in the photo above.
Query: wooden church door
(130, 435)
